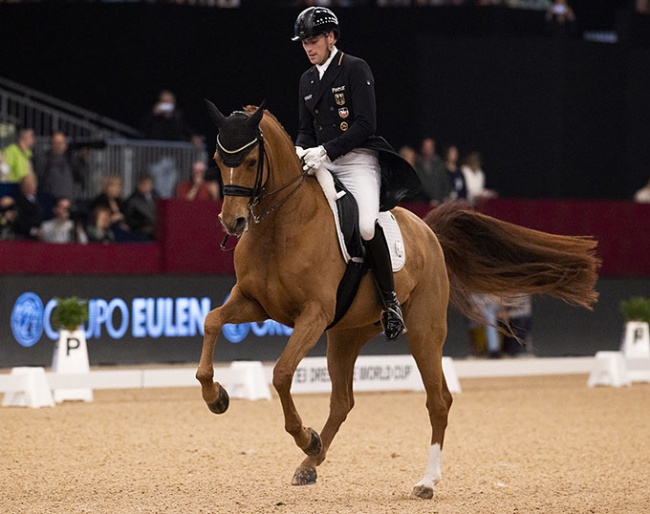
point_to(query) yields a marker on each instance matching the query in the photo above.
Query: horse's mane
(271, 119)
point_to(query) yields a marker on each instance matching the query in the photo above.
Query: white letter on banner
(117, 303)
(182, 316)
(138, 307)
(170, 328)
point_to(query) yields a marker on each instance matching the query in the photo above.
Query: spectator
(18, 156)
(643, 194)
(431, 170)
(517, 316)
(99, 225)
(140, 208)
(58, 170)
(61, 228)
(560, 17)
(7, 217)
(475, 179)
(455, 176)
(408, 154)
(29, 211)
(166, 122)
(111, 198)
(487, 308)
(197, 188)
(4, 168)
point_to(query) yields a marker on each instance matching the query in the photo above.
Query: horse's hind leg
(425, 341)
(343, 348)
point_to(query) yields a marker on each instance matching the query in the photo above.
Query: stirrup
(392, 321)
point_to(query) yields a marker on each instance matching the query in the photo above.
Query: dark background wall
(554, 117)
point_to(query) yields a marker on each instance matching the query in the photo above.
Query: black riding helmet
(314, 21)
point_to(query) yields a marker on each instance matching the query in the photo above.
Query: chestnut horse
(288, 266)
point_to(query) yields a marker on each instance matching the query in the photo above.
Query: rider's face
(318, 48)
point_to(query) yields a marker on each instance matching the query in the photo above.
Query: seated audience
(198, 188)
(643, 194)
(475, 179)
(61, 228)
(140, 208)
(29, 211)
(98, 228)
(111, 198)
(7, 217)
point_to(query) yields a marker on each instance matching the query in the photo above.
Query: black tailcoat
(339, 112)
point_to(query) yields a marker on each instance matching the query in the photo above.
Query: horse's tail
(486, 255)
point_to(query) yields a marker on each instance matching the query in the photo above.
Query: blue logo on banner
(27, 319)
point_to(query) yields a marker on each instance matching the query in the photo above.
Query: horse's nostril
(240, 225)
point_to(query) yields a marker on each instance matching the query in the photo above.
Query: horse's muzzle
(235, 227)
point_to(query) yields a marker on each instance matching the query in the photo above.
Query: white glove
(313, 158)
(300, 152)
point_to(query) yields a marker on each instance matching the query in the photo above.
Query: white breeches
(360, 173)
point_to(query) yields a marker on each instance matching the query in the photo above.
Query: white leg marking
(432, 473)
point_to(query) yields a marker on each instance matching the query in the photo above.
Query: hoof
(422, 491)
(315, 445)
(221, 405)
(304, 476)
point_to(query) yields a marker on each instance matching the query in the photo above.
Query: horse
(288, 266)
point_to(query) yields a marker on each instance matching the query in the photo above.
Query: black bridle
(234, 158)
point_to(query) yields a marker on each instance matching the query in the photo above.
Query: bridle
(258, 192)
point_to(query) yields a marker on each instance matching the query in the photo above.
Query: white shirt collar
(322, 68)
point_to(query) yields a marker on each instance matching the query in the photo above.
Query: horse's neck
(296, 208)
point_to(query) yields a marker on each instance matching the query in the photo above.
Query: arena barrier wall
(189, 236)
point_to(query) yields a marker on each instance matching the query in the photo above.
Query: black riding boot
(379, 261)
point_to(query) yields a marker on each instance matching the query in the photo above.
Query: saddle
(346, 218)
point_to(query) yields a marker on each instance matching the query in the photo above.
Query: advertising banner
(132, 320)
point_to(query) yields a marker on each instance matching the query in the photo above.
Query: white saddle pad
(386, 220)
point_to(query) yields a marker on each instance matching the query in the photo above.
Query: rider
(337, 131)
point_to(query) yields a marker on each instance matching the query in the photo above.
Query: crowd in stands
(451, 177)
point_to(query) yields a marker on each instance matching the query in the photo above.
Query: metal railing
(109, 147)
(23, 106)
(167, 162)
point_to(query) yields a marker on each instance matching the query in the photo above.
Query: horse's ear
(255, 119)
(215, 113)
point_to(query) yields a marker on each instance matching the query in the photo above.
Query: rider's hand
(300, 152)
(313, 158)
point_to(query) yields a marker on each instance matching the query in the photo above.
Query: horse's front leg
(308, 328)
(237, 309)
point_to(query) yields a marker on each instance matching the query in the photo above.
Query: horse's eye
(252, 163)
